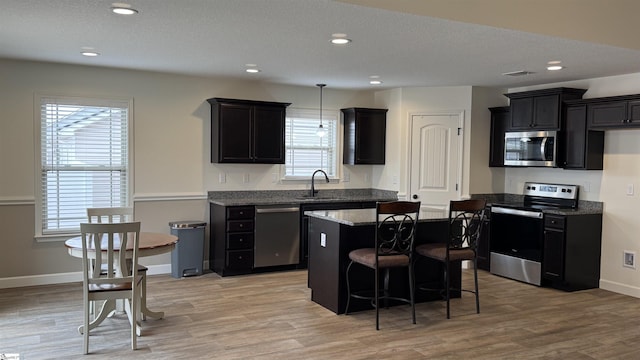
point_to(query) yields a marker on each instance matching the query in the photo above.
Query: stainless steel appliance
(517, 230)
(277, 235)
(530, 148)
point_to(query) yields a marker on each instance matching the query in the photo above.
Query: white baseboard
(60, 278)
(620, 288)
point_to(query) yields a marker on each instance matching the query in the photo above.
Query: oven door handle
(508, 211)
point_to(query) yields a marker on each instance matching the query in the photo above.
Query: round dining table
(150, 244)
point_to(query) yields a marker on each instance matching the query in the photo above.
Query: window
(83, 159)
(306, 151)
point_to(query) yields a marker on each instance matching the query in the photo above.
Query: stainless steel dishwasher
(277, 235)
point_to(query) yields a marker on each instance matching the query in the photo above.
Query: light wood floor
(270, 316)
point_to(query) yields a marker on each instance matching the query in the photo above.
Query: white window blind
(84, 160)
(306, 151)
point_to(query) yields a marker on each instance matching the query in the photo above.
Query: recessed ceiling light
(339, 39)
(252, 68)
(554, 65)
(90, 53)
(123, 9)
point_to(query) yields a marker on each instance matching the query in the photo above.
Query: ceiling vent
(518, 73)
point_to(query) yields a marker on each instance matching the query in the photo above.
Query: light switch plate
(323, 239)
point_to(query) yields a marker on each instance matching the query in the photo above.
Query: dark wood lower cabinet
(571, 255)
(231, 239)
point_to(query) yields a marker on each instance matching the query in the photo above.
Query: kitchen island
(334, 233)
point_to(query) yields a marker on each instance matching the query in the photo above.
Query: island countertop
(359, 217)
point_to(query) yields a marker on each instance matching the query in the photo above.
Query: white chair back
(110, 214)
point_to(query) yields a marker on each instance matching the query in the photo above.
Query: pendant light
(321, 130)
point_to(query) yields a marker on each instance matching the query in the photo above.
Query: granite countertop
(278, 197)
(358, 217)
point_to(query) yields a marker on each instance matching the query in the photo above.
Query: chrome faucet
(313, 189)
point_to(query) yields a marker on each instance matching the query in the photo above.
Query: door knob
(415, 196)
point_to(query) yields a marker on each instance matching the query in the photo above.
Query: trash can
(188, 255)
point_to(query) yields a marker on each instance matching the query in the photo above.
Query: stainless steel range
(517, 230)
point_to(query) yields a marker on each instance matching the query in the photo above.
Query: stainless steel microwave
(530, 148)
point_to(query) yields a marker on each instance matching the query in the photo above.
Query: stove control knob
(569, 190)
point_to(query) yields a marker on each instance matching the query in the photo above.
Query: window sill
(55, 237)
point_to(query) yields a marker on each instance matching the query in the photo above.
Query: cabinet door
(553, 258)
(574, 138)
(499, 124)
(483, 246)
(633, 113)
(521, 113)
(370, 137)
(268, 134)
(234, 126)
(546, 112)
(607, 114)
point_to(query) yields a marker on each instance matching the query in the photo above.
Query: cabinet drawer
(240, 212)
(240, 259)
(554, 222)
(239, 225)
(239, 241)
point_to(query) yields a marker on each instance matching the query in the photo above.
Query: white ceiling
(401, 41)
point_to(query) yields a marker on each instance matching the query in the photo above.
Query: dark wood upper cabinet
(614, 112)
(247, 131)
(539, 109)
(500, 118)
(580, 148)
(364, 136)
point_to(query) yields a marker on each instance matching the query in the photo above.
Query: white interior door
(435, 164)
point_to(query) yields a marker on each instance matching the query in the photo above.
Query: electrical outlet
(366, 178)
(346, 177)
(222, 178)
(629, 259)
(245, 178)
(630, 189)
(274, 178)
(323, 239)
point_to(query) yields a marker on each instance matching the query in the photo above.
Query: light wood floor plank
(270, 316)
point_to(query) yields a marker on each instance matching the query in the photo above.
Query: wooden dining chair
(108, 243)
(466, 218)
(118, 215)
(395, 233)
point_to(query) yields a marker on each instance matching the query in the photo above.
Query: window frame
(328, 115)
(39, 98)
